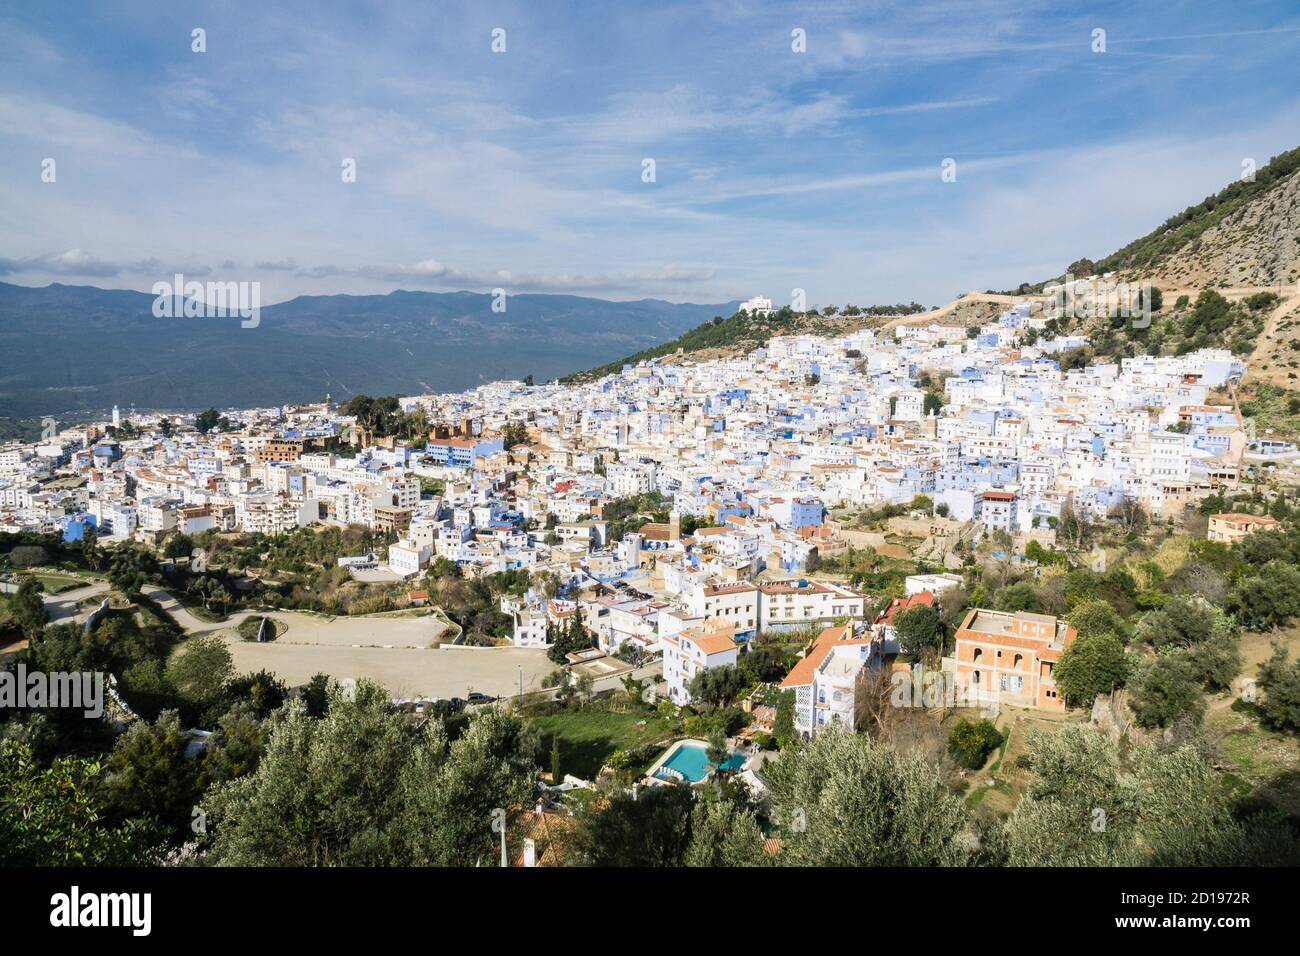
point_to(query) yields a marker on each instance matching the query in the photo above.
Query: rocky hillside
(736, 335)
(1247, 234)
(1256, 244)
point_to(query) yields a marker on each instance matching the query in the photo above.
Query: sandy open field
(393, 631)
(406, 672)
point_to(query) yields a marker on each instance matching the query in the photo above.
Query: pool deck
(652, 780)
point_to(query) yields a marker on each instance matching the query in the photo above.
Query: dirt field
(375, 631)
(405, 671)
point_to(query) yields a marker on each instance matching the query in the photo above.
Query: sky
(774, 168)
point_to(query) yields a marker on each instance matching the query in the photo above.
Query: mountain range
(74, 350)
(69, 351)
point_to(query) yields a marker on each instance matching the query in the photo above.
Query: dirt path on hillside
(1264, 362)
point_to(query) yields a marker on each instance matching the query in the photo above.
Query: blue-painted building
(74, 526)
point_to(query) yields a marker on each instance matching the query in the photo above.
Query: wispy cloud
(772, 169)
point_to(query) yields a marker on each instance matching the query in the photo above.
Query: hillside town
(728, 441)
(758, 463)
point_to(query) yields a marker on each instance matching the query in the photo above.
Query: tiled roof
(802, 673)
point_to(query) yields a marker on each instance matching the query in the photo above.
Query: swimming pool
(689, 759)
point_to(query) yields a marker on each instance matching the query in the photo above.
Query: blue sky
(775, 170)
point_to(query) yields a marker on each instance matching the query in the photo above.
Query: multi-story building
(830, 682)
(737, 604)
(1234, 526)
(686, 653)
(1005, 657)
(789, 604)
(998, 511)
(280, 449)
(407, 557)
(157, 515)
(461, 452)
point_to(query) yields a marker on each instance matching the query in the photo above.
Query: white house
(829, 684)
(788, 604)
(407, 557)
(688, 652)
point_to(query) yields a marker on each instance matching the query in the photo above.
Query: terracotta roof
(1234, 517)
(802, 673)
(550, 832)
(898, 605)
(712, 638)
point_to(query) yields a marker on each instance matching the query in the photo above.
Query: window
(979, 652)
(1019, 659)
(977, 678)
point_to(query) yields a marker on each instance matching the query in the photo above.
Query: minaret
(117, 418)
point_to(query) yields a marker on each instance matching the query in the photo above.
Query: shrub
(971, 741)
(1166, 690)
(250, 626)
(619, 760)
(1093, 664)
(1280, 706)
(918, 629)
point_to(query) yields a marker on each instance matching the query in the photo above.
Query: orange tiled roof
(712, 639)
(898, 605)
(802, 673)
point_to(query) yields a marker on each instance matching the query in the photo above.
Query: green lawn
(52, 582)
(589, 735)
(58, 583)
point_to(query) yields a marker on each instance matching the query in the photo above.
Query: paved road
(66, 605)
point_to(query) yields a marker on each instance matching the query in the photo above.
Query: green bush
(971, 741)
(1280, 706)
(1093, 664)
(1167, 689)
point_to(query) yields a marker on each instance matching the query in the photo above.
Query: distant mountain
(68, 350)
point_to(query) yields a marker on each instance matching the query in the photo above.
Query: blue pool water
(688, 758)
